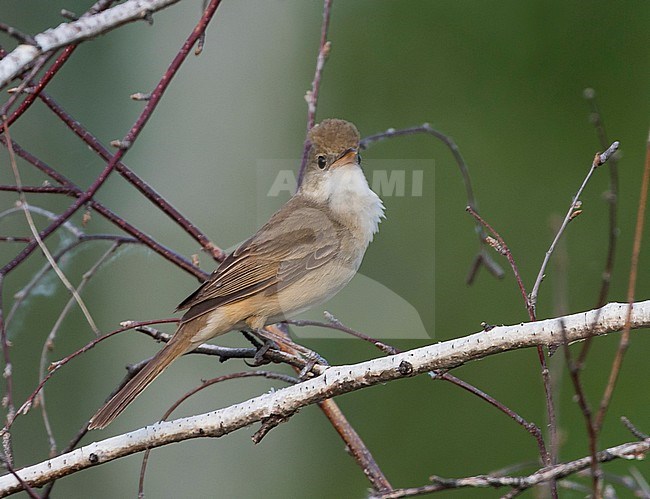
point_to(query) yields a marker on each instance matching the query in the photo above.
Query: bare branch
(574, 372)
(145, 189)
(611, 197)
(483, 257)
(129, 138)
(354, 444)
(37, 238)
(500, 246)
(630, 450)
(75, 31)
(634, 270)
(170, 255)
(312, 95)
(48, 344)
(336, 381)
(599, 160)
(531, 428)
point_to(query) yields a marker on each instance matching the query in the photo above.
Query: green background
(505, 79)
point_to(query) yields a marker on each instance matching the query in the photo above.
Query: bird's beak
(349, 157)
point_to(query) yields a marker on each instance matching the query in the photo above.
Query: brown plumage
(303, 255)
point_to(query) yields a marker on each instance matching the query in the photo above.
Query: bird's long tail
(176, 347)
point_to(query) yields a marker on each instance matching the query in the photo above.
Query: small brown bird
(306, 252)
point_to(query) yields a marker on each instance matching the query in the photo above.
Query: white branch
(86, 27)
(630, 450)
(336, 381)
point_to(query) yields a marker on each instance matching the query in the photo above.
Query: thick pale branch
(336, 381)
(86, 27)
(630, 450)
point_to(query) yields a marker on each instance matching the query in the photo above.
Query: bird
(307, 252)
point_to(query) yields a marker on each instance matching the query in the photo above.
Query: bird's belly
(262, 308)
(316, 287)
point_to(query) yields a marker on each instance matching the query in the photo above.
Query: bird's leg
(254, 335)
(279, 333)
(275, 337)
(248, 334)
(266, 346)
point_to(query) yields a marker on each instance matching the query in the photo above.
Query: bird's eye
(322, 162)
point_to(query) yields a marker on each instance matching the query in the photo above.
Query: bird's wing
(294, 242)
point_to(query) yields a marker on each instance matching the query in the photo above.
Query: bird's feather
(279, 254)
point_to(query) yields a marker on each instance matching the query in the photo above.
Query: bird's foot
(258, 359)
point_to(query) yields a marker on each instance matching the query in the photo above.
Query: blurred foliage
(505, 79)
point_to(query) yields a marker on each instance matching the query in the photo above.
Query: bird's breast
(353, 202)
(317, 286)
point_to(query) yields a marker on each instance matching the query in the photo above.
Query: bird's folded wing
(290, 245)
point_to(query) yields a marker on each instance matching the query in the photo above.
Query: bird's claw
(258, 359)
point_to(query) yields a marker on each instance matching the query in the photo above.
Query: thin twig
(76, 31)
(611, 197)
(334, 323)
(312, 95)
(585, 409)
(353, 441)
(141, 185)
(634, 268)
(38, 189)
(39, 241)
(612, 201)
(15, 239)
(7, 374)
(53, 70)
(131, 135)
(336, 381)
(483, 257)
(633, 429)
(239, 375)
(17, 34)
(631, 450)
(501, 246)
(599, 159)
(69, 226)
(55, 366)
(49, 341)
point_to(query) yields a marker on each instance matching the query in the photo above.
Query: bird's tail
(118, 402)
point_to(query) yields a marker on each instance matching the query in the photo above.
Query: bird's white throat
(351, 198)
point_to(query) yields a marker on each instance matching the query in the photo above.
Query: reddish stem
(128, 140)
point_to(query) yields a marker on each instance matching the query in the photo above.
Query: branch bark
(630, 450)
(336, 381)
(66, 33)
